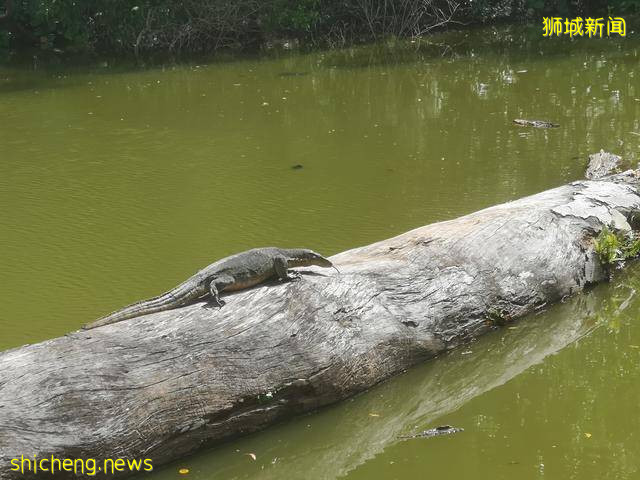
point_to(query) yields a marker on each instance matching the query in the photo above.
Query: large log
(162, 385)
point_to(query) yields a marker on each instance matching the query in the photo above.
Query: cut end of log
(602, 164)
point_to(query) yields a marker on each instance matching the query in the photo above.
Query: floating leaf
(588, 435)
(183, 471)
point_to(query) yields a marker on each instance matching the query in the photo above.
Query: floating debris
(434, 432)
(293, 74)
(535, 123)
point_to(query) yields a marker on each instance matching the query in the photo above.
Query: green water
(117, 183)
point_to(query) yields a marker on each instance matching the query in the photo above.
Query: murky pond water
(116, 184)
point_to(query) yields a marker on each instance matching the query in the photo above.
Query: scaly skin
(236, 272)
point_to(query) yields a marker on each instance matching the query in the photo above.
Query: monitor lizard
(236, 272)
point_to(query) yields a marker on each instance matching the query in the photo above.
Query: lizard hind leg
(217, 285)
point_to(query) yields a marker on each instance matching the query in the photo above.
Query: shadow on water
(514, 42)
(32, 70)
(16, 80)
(348, 435)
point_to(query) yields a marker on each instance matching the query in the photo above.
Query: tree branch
(8, 9)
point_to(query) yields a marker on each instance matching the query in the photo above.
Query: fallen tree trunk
(162, 385)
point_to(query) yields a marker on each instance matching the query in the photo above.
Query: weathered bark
(162, 385)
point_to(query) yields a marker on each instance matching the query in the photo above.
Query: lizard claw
(215, 303)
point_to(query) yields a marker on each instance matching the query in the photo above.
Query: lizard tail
(184, 293)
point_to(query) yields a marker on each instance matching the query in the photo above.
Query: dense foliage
(204, 25)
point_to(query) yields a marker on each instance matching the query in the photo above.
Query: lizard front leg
(217, 285)
(282, 269)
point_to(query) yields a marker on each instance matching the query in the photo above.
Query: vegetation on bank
(145, 26)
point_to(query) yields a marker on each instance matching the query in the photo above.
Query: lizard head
(302, 257)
